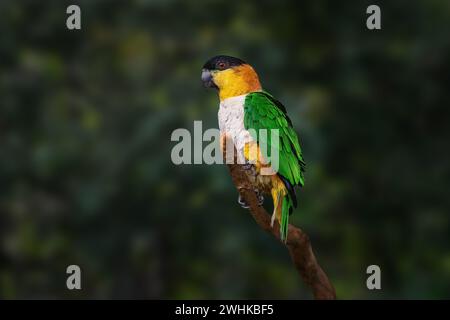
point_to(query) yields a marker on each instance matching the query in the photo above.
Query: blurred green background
(86, 176)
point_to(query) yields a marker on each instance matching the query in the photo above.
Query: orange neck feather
(237, 81)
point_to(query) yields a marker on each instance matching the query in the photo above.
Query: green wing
(262, 111)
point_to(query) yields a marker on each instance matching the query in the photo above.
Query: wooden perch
(298, 243)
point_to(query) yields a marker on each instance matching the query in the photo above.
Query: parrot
(244, 109)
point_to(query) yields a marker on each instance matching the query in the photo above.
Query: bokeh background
(86, 176)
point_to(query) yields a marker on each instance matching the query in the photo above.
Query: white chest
(231, 121)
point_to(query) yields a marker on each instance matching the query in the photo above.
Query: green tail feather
(285, 210)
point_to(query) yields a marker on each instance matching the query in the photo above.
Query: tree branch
(298, 243)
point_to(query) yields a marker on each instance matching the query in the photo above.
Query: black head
(222, 63)
(218, 63)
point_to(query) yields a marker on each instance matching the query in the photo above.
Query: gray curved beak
(207, 79)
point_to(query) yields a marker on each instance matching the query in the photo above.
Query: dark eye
(221, 65)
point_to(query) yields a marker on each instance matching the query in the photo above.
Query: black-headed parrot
(245, 108)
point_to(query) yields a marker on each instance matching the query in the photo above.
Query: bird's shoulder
(265, 104)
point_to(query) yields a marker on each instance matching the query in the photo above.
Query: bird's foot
(260, 197)
(245, 205)
(242, 202)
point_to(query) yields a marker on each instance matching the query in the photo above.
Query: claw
(260, 198)
(242, 202)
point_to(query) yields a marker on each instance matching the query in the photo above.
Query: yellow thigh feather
(278, 190)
